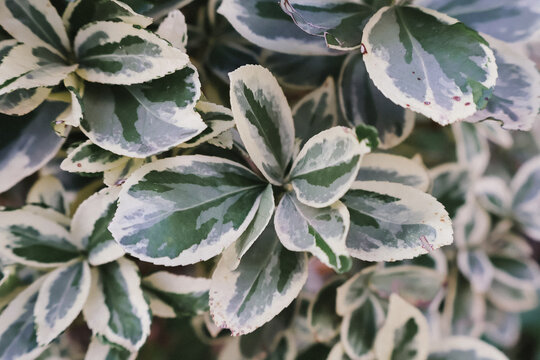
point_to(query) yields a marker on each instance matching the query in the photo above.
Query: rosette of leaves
(128, 89)
(81, 269)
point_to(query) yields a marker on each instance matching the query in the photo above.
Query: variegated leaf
(263, 119)
(48, 192)
(390, 222)
(89, 227)
(526, 196)
(87, 157)
(27, 143)
(35, 241)
(472, 225)
(493, 195)
(393, 168)
(326, 166)
(218, 120)
(510, 296)
(23, 101)
(474, 264)
(35, 23)
(268, 278)
(48, 213)
(156, 8)
(143, 119)
(502, 328)
(182, 210)
(509, 21)
(256, 227)
(451, 183)
(119, 53)
(315, 112)
(463, 347)
(322, 318)
(73, 116)
(118, 175)
(472, 148)
(362, 103)
(176, 295)
(320, 231)
(60, 300)
(359, 328)
(405, 59)
(18, 339)
(405, 335)
(353, 292)
(174, 29)
(81, 12)
(266, 25)
(116, 308)
(516, 96)
(338, 353)
(102, 350)
(520, 272)
(417, 285)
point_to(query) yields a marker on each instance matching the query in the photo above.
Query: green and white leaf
(315, 112)
(174, 29)
(405, 334)
(17, 327)
(395, 169)
(406, 61)
(509, 296)
(390, 222)
(471, 147)
(23, 101)
(182, 210)
(326, 166)
(516, 96)
(472, 225)
(520, 272)
(263, 119)
(353, 292)
(322, 318)
(263, 23)
(89, 227)
(102, 350)
(118, 175)
(35, 241)
(121, 54)
(60, 300)
(320, 231)
(36, 24)
(464, 347)
(362, 103)
(268, 278)
(48, 192)
(74, 114)
(525, 188)
(493, 195)
(502, 328)
(474, 264)
(176, 295)
(143, 119)
(90, 158)
(116, 308)
(451, 184)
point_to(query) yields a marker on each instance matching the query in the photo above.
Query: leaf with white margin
(493, 195)
(81, 12)
(156, 8)
(116, 308)
(502, 328)
(405, 333)
(511, 297)
(75, 85)
(89, 227)
(519, 272)
(174, 29)
(27, 143)
(340, 22)
(177, 295)
(493, 131)
(143, 119)
(121, 54)
(317, 111)
(464, 347)
(48, 213)
(362, 103)
(218, 120)
(35, 23)
(87, 157)
(263, 119)
(393, 168)
(322, 318)
(320, 231)
(390, 222)
(451, 184)
(353, 292)
(256, 227)
(118, 175)
(472, 225)
(406, 57)
(359, 328)
(182, 210)
(417, 285)
(508, 21)
(268, 278)
(17, 328)
(516, 96)
(474, 264)
(326, 166)
(263, 23)
(35, 241)
(101, 350)
(48, 192)
(471, 147)
(23, 101)
(525, 188)
(60, 300)
(26, 67)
